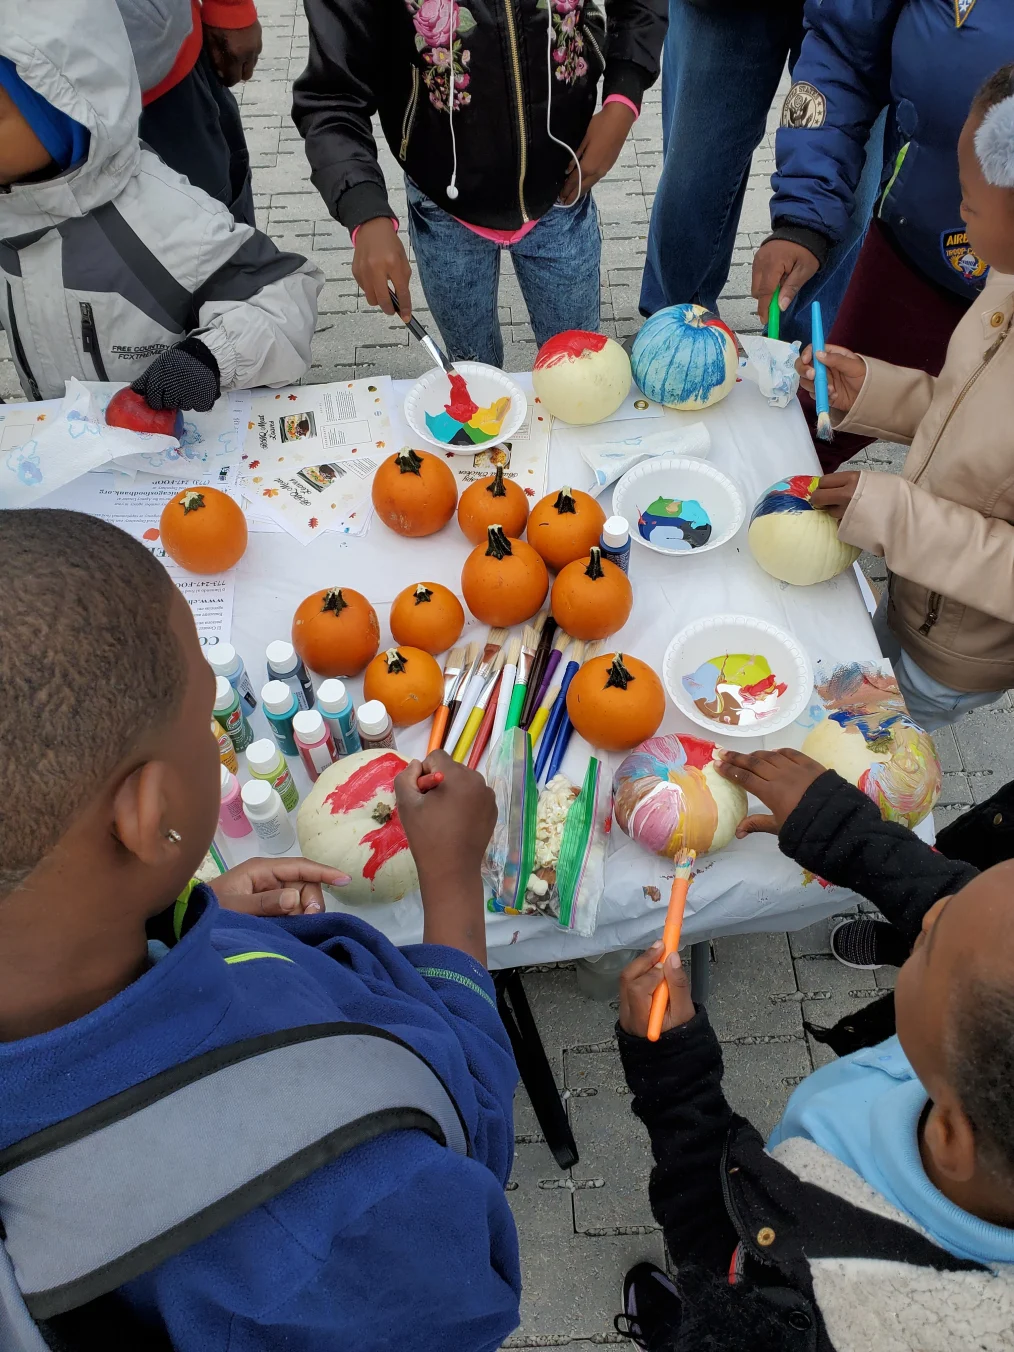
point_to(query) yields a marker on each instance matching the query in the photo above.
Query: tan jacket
(944, 526)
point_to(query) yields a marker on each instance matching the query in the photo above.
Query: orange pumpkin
(591, 597)
(504, 583)
(407, 681)
(336, 631)
(203, 530)
(414, 493)
(564, 526)
(615, 702)
(492, 501)
(428, 616)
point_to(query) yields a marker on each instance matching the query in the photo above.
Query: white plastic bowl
(700, 642)
(485, 384)
(679, 478)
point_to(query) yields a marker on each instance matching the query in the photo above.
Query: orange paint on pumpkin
(414, 493)
(490, 502)
(203, 530)
(564, 526)
(336, 631)
(592, 597)
(428, 616)
(407, 681)
(504, 582)
(615, 702)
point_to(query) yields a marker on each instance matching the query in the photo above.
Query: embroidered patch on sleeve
(962, 9)
(804, 106)
(968, 265)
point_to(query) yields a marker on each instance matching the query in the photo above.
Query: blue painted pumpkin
(685, 357)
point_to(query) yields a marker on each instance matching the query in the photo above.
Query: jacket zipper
(19, 351)
(512, 34)
(409, 118)
(598, 50)
(90, 339)
(932, 613)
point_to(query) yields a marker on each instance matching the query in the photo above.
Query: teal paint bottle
(335, 703)
(229, 713)
(280, 707)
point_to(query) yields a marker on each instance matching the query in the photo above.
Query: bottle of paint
(265, 761)
(375, 727)
(226, 750)
(314, 740)
(231, 818)
(285, 665)
(280, 707)
(266, 814)
(335, 703)
(225, 661)
(229, 712)
(615, 542)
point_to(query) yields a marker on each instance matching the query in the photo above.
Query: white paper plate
(485, 383)
(700, 642)
(679, 478)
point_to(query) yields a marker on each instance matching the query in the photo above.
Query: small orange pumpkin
(414, 493)
(407, 681)
(615, 702)
(591, 597)
(563, 527)
(493, 501)
(203, 530)
(504, 583)
(428, 616)
(336, 631)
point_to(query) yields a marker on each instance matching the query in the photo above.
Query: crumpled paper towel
(771, 365)
(610, 454)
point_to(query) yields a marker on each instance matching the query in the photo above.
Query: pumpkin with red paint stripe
(349, 820)
(581, 377)
(685, 357)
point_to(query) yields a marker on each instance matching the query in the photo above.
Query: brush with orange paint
(453, 676)
(683, 863)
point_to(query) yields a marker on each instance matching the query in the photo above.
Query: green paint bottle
(265, 761)
(229, 713)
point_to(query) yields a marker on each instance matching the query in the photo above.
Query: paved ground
(580, 1231)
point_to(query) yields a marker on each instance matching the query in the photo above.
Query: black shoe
(867, 944)
(651, 1308)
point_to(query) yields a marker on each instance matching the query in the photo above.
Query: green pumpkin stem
(497, 546)
(396, 663)
(497, 488)
(594, 569)
(619, 677)
(422, 593)
(191, 501)
(565, 502)
(334, 601)
(409, 462)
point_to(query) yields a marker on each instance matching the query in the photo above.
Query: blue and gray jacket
(922, 59)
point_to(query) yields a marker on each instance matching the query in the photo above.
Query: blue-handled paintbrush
(820, 395)
(558, 712)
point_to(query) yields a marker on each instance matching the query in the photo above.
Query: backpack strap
(118, 1189)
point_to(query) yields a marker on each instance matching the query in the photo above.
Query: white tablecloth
(748, 886)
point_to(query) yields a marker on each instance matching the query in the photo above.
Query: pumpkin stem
(191, 501)
(396, 663)
(422, 593)
(565, 502)
(498, 546)
(619, 677)
(334, 601)
(409, 462)
(382, 814)
(594, 569)
(497, 488)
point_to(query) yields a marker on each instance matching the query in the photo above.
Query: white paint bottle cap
(224, 694)
(308, 724)
(277, 697)
(222, 659)
(373, 718)
(262, 756)
(282, 656)
(257, 795)
(616, 532)
(332, 696)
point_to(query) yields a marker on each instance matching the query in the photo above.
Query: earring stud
(173, 836)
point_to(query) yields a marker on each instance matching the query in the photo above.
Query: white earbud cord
(549, 103)
(452, 187)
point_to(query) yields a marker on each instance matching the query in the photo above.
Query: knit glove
(185, 376)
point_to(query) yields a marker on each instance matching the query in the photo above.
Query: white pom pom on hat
(994, 144)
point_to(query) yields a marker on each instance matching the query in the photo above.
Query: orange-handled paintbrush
(452, 680)
(683, 863)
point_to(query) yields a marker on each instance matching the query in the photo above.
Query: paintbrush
(479, 675)
(417, 331)
(538, 667)
(683, 864)
(486, 726)
(560, 642)
(566, 727)
(529, 642)
(473, 654)
(478, 713)
(558, 713)
(820, 395)
(507, 679)
(452, 678)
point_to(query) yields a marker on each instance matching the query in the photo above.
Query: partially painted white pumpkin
(581, 377)
(349, 820)
(886, 756)
(685, 357)
(792, 540)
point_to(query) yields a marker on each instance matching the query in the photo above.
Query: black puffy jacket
(390, 56)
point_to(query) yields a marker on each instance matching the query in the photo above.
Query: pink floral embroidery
(568, 54)
(437, 22)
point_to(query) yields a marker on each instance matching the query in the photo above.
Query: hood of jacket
(76, 54)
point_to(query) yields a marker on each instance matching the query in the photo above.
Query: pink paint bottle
(314, 740)
(231, 817)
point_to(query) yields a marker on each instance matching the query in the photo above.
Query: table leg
(700, 971)
(533, 1065)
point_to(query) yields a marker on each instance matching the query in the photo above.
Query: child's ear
(950, 1138)
(140, 815)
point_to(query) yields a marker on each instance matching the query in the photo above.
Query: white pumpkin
(685, 357)
(793, 541)
(581, 377)
(349, 820)
(667, 795)
(893, 762)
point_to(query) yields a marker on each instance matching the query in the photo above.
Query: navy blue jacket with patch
(924, 60)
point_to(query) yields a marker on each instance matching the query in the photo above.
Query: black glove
(185, 376)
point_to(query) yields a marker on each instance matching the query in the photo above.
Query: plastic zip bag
(570, 852)
(510, 855)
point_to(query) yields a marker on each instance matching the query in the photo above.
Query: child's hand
(276, 887)
(599, 150)
(379, 259)
(234, 51)
(637, 985)
(780, 263)
(778, 778)
(845, 374)
(834, 492)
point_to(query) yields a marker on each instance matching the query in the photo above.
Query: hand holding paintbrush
(654, 990)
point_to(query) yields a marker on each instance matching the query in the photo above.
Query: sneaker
(867, 944)
(651, 1308)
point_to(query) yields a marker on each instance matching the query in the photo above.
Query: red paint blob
(569, 346)
(715, 323)
(699, 753)
(462, 406)
(387, 841)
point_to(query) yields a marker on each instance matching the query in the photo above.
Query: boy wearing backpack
(303, 1210)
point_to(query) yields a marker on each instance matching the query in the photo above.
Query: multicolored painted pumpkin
(668, 796)
(792, 540)
(685, 357)
(349, 820)
(581, 377)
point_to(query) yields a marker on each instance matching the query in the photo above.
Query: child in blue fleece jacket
(104, 729)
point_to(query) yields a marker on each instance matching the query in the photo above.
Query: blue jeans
(557, 267)
(720, 71)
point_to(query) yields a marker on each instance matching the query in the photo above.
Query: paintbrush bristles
(495, 638)
(512, 652)
(577, 651)
(683, 862)
(561, 641)
(824, 429)
(452, 662)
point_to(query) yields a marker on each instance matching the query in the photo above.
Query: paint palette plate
(737, 676)
(426, 409)
(678, 505)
